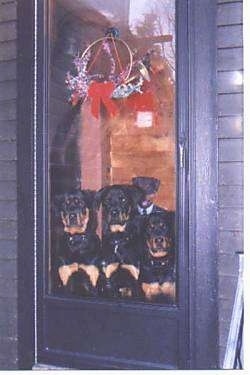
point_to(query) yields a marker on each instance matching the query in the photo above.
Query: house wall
(230, 166)
(8, 186)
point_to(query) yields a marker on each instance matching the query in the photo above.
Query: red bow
(101, 92)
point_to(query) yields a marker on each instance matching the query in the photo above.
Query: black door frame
(196, 87)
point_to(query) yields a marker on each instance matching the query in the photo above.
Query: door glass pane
(112, 150)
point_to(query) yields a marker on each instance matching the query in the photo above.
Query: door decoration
(124, 78)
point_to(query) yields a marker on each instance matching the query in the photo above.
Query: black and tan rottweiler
(77, 259)
(121, 240)
(157, 269)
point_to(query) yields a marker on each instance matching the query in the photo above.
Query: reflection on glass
(112, 161)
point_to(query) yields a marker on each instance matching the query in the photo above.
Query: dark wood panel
(8, 210)
(8, 229)
(8, 130)
(8, 90)
(8, 353)
(8, 250)
(7, 270)
(228, 264)
(230, 59)
(228, 286)
(225, 308)
(8, 110)
(231, 173)
(8, 70)
(202, 207)
(229, 1)
(8, 50)
(7, 150)
(230, 219)
(7, 170)
(230, 196)
(8, 325)
(230, 82)
(230, 241)
(229, 36)
(229, 13)
(25, 162)
(8, 287)
(230, 104)
(109, 331)
(7, 11)
(8, 191)
(230, 150)
(230, 127)
(8, 31)
(224, 329)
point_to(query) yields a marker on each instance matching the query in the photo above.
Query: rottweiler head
(159, 234)
(118, 202)
(79, 243)
(74, 210)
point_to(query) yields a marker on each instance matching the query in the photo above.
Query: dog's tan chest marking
(66, 271)
(110, 269)
(92, 271)
(114, 228)
(132, 270)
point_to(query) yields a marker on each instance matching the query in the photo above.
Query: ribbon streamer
(100, 92)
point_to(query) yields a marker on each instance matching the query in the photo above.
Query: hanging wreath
(115, 82)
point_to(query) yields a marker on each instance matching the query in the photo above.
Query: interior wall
(147, 151)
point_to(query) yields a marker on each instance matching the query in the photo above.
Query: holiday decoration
(104, 88)
(126, 89)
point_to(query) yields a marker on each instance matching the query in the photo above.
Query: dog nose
(159, 240)
(114, 212)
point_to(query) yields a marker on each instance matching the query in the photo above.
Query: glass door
(111, 292)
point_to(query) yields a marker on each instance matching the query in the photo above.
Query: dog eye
(107, 202)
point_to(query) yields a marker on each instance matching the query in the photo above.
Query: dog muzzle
(75, 223)
(159, 246)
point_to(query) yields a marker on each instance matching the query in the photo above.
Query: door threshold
(44, 366)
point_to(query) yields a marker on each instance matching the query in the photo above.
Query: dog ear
(99, 196)
(171, 219)
(89, 197)
(57, 204)
(136, 193)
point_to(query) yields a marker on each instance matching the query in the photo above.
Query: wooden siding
(8, 198)
(230, 145)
